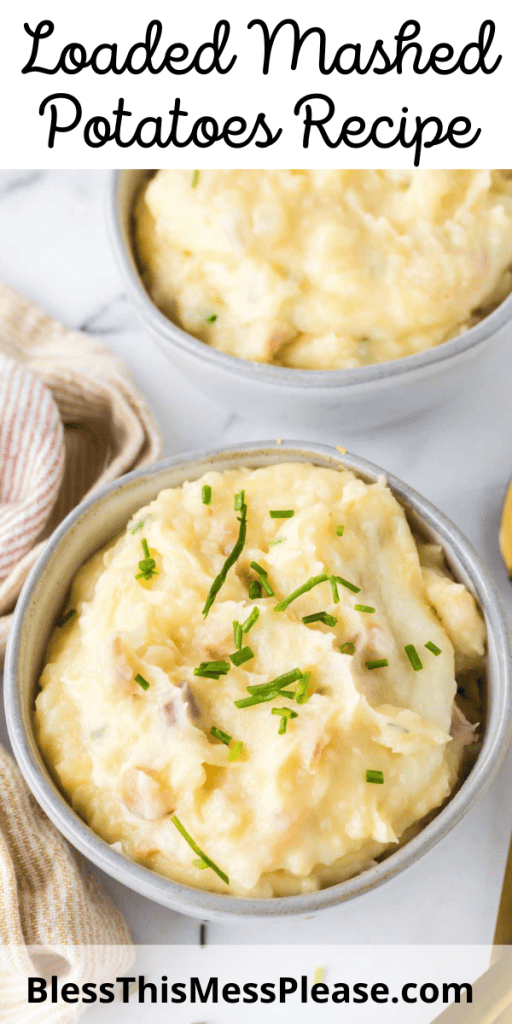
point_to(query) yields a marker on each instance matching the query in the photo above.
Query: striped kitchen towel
(55, 919)
(70, 421)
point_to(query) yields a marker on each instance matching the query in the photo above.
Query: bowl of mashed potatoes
(308, 293)
(257, 682)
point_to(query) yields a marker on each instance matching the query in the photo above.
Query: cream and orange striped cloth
(70, 420)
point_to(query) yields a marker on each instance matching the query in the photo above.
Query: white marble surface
(56, 250)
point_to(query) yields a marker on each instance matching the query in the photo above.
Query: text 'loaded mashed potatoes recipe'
(326, 269)
(255, 692)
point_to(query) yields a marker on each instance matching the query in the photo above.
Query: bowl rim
(201, 903)
(355, 378)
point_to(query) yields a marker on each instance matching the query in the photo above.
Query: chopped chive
(195, 179)
(281, 513)
(432, 647)
(206, 494)
(266, 586)
(237, 751)
(62, 619)
(278, 683)
(340, 530)
(143, 683)
(382, 663)
(348, 647)
(328, 620)
(211, 318)
(414, 657)
(376, 777)
(219, 735)
(199, 863)
(259, 569)
(188, 839)
(257, 698)
(277, 540)
(250, 620)
(313, 582)
(303, 694)
(230, 560)
(285, 714)
(254, 590)
(335, 592)
(289, 694)
(237, 635)
(147, 565)
(241, 656)
(222, 667)
(349, 586)
(138, 527)
(363, 608)
(212, 669)
(239, 501)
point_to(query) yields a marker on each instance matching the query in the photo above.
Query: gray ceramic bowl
(91, 525)
(358, 398)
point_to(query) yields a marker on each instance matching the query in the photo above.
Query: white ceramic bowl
(90, 526)
(357, 399)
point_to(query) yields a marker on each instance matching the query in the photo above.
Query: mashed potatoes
(308, 786)
(326, 270)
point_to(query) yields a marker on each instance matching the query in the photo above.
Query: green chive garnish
(206, 494)
(147, 565)
(328, 620)
(413, 656)
(231, 559)
(199, 863)
(143, 683)
(313, 582)
(239, 501)
(195, 179)
(303, 694)
(259, 569)
(62, 619)
(334, 588)
(375, 777)
(266, 586)
(278, 683)
(237, 635)
(219, 735)
(277, 540)
(212, 669)
(349, 586)
(211, 318)
(236, 751)
(281, 513)
(340, 530)
(250, 620)
(285, 713)
(382, 663)
(254, 590)
(257, 698)
(241, 656)
(432, 647)
(348, 647)
(363, 608)
(188, 839)
(138, 527)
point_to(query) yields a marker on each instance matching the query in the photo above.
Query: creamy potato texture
(295, 812)
(326, 269)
